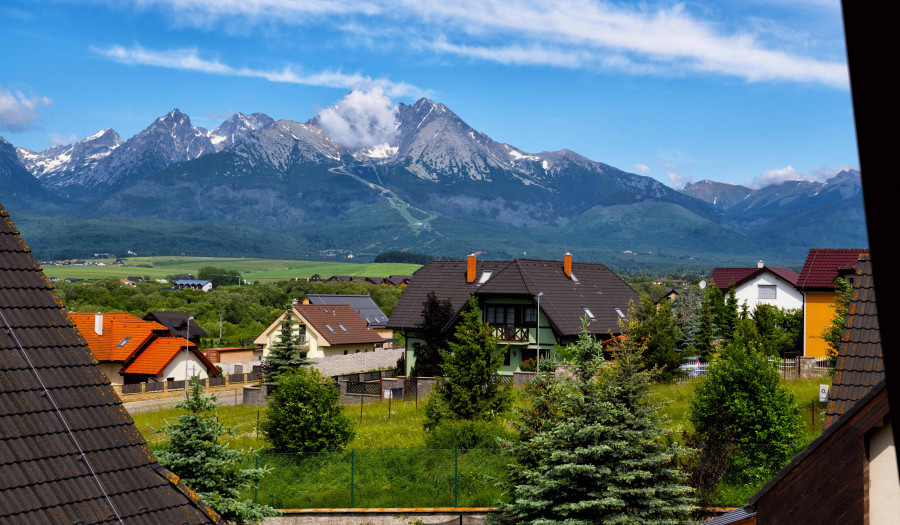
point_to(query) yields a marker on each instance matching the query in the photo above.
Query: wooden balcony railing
(509, 333)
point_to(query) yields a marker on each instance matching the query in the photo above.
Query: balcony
(510, 333)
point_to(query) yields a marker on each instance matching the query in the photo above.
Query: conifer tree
(470, 388)
(592, 448)
(656, 331)
(287, 354)
(835, 330)
(212, 470)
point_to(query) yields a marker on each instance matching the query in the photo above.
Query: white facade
(884, 489)
(175, 369)
(317, 344)
(767, 288)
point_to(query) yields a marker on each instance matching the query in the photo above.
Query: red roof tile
(723, 277)
(117, 327)
(158, 354)
(824, 265)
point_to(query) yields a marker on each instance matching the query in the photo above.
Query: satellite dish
(702, 285)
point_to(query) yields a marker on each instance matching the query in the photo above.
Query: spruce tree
(656, 331)
(470, 388)
(593, 449)
(212, 470)
(287, 354)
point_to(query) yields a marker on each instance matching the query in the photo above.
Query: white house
(324, 331)
(761, 285)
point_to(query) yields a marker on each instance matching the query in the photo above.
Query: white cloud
(361, 119)
(642, 168)
(779, 175)
(190, 60)
(19, 112)
(58, 139)
(676, 177)
(571, 33)
(823, 173)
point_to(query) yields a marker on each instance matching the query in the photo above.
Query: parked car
(692, 366)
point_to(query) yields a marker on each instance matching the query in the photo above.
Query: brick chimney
(567, 264)
(98, 324)
(470, 268)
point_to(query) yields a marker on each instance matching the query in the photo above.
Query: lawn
(252, 269)
(387, 466)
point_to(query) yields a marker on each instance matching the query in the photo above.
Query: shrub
(467, 435)
(304, 414)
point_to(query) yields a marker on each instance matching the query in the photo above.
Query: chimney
(470, 268)
(567, 264)
(760, 264)
(98, 324)
(294, 301)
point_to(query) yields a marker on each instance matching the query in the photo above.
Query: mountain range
(255, 186)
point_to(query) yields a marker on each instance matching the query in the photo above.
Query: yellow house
(816, 282)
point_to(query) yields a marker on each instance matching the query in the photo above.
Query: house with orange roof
(817, 284)
(324, 330)
(132, 350)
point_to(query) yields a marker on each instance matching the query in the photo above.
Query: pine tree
(287, 354)
(212, 470)
(470, 388)
(592, 448)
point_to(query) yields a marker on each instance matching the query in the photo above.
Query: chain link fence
(381, 478)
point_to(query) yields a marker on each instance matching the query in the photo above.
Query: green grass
(252, 269)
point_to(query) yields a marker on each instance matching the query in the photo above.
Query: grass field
(388, 466)
(263, 270)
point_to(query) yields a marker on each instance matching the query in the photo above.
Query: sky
(754, 92)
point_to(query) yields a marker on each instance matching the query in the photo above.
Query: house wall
(385, 333)
(175, 368)
(831, 484)
(112, 372)
(884, 485)
(240, 356)
(818, 311)
(786, 296)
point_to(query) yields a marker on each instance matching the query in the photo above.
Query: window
(485, 276)
(328, 326)
(620, 313)
(767, 291)
(514, 315)
(343, 327)
(529, 315)
(589, 313)
(123, 342)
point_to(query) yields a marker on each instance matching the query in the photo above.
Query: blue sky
(747, 92)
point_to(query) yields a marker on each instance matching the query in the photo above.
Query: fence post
(352, 472)
(456, 477)
(255, 483)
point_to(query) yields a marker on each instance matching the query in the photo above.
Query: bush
(304, 414)
(467, 435)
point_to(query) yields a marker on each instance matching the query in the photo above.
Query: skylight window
(328, 326)
(618, 311)
(574, 279)
(123, 342)
(590, 314)
(485, 276)
(342, 327)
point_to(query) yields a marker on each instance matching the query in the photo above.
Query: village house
(69, 452)
(323, 331)
(530, 303)
(769, 285)
(192, 284)
(131, 350)
(364, 306)
(817, 284)
(178, 323)
(849, 473)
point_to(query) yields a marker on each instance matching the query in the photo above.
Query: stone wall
(361, 362)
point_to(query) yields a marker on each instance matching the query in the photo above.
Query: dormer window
(485, 276)
(588, 312)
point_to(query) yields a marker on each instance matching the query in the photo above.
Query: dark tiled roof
(859, 364)
(175, 321)
(69, 452)
(336, 316)
(723, 277)
(597, 288)
(363, 304)
(397, 280)
(824, 265)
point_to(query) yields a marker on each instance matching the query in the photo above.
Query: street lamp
(187, 344)
(537, 334)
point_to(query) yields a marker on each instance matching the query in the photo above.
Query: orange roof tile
(158, 354)
(123, 334)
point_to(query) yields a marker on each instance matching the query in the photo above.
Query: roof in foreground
(596, 291)
(69, 451)
(824, 265)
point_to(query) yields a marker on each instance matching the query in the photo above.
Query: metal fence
(381, 478)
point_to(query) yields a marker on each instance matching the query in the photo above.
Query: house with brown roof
(531, 304)
(324, 330)
(849, 473)
(132, 350)
(817, 284)
(364, 306)
(763, 284)
(69, 451)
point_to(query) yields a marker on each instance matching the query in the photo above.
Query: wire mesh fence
(381, 478)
